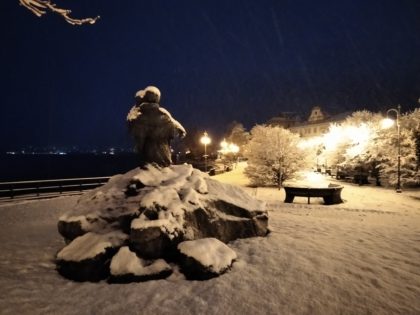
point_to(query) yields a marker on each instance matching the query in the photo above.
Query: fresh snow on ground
(359, 257)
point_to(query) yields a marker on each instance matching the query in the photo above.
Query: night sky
(214, 61)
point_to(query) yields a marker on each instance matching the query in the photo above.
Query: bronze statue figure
(152, 128)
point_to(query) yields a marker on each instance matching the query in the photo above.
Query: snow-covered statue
(129, 229)
(152, 128)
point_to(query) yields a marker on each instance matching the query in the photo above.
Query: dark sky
(214, 61)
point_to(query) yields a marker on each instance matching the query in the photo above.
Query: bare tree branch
(40, 7)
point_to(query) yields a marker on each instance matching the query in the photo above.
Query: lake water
(36, 167)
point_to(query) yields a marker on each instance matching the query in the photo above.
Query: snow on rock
(91, 245)
(85, 258)
(126, 266)
(160, 207)
(205, 258)
(176, 174)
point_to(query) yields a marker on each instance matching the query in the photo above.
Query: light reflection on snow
(308, 179)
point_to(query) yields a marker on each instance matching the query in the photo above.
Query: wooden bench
(331, 194)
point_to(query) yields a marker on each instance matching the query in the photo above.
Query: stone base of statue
(134, 227)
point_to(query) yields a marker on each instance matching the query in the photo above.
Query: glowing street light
(224, 145)
(229, 149)
(205, 139)
(387, 123)
(233, 148)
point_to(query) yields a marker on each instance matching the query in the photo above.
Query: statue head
(139, 97)
(150, 94)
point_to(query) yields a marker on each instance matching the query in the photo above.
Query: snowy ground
(360, 257)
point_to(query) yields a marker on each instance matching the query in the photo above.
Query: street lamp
(387, 123)
(205, 139)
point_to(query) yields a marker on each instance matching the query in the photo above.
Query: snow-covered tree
(388, 152)
(361, 154)
(388, 157)
(273, 155)
(411, 121)
(41, 7)
(361, 145)
(374, 149)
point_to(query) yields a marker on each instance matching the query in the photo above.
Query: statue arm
(180, 130)
(133, 113)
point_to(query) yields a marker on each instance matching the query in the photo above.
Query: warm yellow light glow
(233, 148)
(310, 143)
(313, 178)
(205, 139)
(228, 148)
(387, 123)
(360, 137)
(335, 135)
(357, 138)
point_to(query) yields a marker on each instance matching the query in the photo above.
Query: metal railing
(48, 188)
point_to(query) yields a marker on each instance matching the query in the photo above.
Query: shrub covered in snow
(273, 155)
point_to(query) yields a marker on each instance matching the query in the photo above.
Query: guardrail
(50, 187)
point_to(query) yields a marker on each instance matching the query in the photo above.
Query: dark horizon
(214, 62)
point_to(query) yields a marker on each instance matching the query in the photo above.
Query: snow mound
(156, 209)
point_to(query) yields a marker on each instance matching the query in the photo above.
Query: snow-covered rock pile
(128, 229)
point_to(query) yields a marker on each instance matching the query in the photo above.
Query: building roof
(329, 119)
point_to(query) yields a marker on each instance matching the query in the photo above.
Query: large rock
(161, 207)
(71, 229)
(208, 222)
(87, 257)
(151, 238)
(205, 258)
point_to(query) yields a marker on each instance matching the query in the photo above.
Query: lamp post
(205, 139)
(386, 123)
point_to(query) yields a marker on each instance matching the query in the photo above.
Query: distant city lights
(66, 151)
